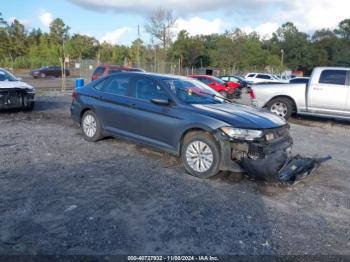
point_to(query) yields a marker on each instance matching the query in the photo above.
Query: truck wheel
(281, 106)
(200, 155)
(90, 125)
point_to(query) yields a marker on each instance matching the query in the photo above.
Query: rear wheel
(200, 155)
(223, 93)
(281, 106)
(91, 127)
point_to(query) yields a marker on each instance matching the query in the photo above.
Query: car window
(205, 80)
(261, 76)
(113, 71)
(336, 77)
(299, 81)
(251, 75)
(5, 76)
(234, 79)
(148, 89)
(99, 70)
(225, 78)
(116, 85)
(99, 86)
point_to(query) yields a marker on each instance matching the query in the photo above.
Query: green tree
(343, 29)
(82, 47)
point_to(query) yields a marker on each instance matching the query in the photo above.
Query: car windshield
(6, 76)
(219, 80)
(191, 91)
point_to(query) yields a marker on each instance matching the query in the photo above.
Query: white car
(14, 93)
(254, 78)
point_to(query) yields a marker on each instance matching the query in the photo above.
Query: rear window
(299, 81)
(263, 76)
(335, 77)
(113, 71)
(99, 70)
(225, 78)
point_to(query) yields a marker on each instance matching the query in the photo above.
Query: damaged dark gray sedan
(15, 94)
(184, 117)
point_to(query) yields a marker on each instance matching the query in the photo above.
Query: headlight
(244, 134)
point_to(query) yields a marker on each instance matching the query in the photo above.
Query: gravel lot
(62, 195)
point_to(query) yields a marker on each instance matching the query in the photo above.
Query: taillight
(251, 93)
(74, 96)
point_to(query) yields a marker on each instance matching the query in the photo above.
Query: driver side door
(152, 123)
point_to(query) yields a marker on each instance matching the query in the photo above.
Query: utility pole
(138, 46)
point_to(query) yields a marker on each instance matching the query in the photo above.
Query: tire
(42, 75)
(207, 164)
(29, 107)
(91, 127)
(223, 93)
(281, 106)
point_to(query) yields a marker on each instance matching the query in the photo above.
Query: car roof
(200, 75)
(157, 76)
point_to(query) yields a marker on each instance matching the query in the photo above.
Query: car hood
(241, 116)
(14, 84)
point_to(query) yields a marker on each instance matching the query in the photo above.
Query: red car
(103, 70)
(226, 89)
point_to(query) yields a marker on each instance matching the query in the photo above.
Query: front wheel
(281, 106)
(91, 127)
(42, 75)
(200, 155)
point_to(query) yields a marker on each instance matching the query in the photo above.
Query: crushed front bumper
(11, 98)
(268, 159)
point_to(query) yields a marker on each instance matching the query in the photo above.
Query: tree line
(287, 48)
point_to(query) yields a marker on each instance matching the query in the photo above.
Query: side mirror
(161, 102)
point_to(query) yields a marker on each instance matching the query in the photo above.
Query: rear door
(115, 104)
(328, 92)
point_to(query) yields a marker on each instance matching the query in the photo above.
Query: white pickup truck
(326, 95)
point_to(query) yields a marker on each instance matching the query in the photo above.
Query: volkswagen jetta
(187, 118)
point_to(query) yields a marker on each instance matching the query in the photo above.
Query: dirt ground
(60, 195)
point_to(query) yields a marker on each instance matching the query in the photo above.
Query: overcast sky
(116, 21)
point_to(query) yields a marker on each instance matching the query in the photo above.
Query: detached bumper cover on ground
(268, 159)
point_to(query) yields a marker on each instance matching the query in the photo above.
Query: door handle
(318, 88)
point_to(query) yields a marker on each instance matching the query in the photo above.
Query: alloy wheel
(89, 125)
(279, 109)
(199, 156)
